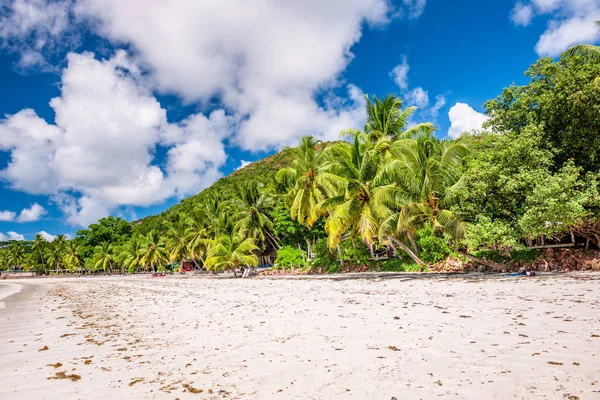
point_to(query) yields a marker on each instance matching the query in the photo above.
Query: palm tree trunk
(407, 250)
(339, 250)
(411, 238)
(272, 240)
(490, 264)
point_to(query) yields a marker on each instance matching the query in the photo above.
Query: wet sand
(374, 337)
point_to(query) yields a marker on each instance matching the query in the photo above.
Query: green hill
(262, 170)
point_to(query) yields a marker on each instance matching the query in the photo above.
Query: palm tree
(178, 238)
(310, 182)
(252, 213)
(387, 120)
(16, 255)
(425, 172)
(588, 50)
(356, 209)
(104, 256)
(198, 240)
(56, 252)
(130, 252)
(153, 251)
(73, 255)
(39, 246)
(230, 252)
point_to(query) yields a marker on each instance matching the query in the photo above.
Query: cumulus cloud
(34, 29)
(571, 22)
(47, 236)
(11, 236)
(463, 118)
(101, 146)
(31, 214)
(7, 215)
(255, 71)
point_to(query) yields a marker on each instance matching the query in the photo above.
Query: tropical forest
(387, 196)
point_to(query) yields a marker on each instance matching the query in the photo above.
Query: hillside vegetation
(390, 196)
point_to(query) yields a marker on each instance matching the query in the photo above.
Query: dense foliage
(388, 197)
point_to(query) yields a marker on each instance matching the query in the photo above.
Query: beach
(381, 336)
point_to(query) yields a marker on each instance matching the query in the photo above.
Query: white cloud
(400, 74)
(243, 164)
(561, 35)
(521, 14)
(101, 146)
(47, 236)
(417, 97)
(440, 101)
(415, 7)
(463, 118)
(11, 236)
(31, 214)
(264, 63)
(7, 216)
(571, 22)
(33, 28)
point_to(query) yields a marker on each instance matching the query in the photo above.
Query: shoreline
(14, 288)
(365, 337)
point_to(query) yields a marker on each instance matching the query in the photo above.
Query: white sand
(425, 338)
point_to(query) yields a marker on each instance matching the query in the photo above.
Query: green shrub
(288, 257)
(334, 269)
(354, 254)
(323, 256)
(433, 248)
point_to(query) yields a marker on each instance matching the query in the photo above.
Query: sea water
(6, 289)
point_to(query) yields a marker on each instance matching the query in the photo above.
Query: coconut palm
(198, 240)
(230, 252)
(425, 172)
(73, 256)
(130, 252)
(178, 238)
(252, 218)
(153, 252)
(16, 255)
(104, 257)
(387, 120)
(55, 253)
(39, 247)
(309, 180)
(356, 210)
(588, 50)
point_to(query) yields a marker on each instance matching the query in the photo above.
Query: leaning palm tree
(230, 252)
(588, 50)
(425, 172)
(253, 206)
(153, 252)
(310, 182)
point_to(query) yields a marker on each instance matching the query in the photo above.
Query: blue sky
(123, 108)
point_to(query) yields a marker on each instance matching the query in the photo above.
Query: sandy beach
(379, 337)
